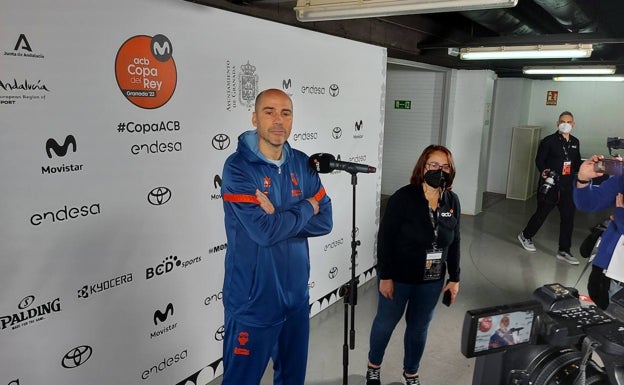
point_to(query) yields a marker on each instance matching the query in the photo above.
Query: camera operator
(589, 197)
(558, 159)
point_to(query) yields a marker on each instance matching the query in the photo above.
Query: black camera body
(550, 340)
(551, 180)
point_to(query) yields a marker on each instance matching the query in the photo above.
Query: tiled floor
(495, 270)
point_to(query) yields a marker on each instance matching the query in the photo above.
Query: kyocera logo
(164, 364)
(60, 150)
(88, 290)
(65, 214)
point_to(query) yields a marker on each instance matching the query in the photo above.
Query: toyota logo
(220, 142)
(220, 333)
(77, 356)
(333, 272)
(334, 90)
(159, 196)
(337, 132)
(27, 301)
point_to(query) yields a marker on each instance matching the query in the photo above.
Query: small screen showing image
(502, 330)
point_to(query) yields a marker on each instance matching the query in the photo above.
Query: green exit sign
(402, 104)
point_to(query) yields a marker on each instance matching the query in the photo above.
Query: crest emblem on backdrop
(248, 85)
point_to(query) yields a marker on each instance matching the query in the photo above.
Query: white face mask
(565, 128)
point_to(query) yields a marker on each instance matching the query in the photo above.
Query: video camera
(614, 143)
(551, 180)
(548, 340)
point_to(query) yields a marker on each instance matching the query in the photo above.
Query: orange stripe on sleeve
(320, 194)
(241, 198)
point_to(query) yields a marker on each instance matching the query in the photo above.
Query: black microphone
(324, 163)
(512, 330)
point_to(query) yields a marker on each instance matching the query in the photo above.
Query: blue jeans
(420, 300)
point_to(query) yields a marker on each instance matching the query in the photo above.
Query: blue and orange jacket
(267, 262)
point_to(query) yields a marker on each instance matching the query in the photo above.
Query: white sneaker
(567, 257)
(527, 243)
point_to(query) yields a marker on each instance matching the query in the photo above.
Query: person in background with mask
(417, 244)
(557, 153)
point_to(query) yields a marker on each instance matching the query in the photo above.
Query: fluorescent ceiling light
(589, 78)
(569, 70)
(317, 10)
(559, 51)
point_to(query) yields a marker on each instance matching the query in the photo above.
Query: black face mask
(436, 178)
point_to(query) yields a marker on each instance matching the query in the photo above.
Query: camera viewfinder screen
(502, 330)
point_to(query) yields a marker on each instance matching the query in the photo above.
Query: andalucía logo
(145, 70)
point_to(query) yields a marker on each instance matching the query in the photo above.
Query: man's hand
(586, 171)
(386, 288)
(314, 204)
(545, 173)
(265, 203)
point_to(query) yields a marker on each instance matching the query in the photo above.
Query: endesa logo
(145, 70)
(334, 244)
(164, 364)
(65, 214)
(168, 264)
(213, 298)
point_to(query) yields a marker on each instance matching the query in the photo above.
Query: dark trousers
(562, 199)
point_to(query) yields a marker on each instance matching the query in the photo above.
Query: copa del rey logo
(145, 70)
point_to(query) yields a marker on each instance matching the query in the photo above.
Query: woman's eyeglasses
(436, 166)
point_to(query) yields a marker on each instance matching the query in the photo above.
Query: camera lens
(549, 365)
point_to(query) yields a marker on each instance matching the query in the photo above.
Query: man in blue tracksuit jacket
(588, 197)
(273, 201)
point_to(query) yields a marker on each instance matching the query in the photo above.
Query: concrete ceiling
(426, 38)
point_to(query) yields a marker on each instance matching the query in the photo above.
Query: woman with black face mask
(417, 246)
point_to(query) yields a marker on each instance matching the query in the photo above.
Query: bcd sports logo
(145, 70)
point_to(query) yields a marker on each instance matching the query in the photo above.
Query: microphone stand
(349, 292)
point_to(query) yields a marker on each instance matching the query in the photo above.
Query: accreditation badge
(433, 265)
(567, 168)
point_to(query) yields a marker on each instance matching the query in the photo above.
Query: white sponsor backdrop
(112, 239)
